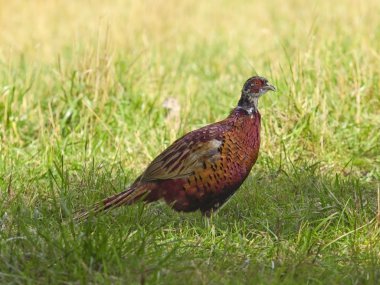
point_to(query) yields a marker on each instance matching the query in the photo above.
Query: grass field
(82, 88)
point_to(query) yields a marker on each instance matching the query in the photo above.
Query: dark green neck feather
(249, 102)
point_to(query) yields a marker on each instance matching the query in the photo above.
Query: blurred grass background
(82, 88)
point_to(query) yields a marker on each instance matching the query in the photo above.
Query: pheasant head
(253, 89)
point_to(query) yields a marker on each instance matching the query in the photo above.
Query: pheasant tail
(126, 197)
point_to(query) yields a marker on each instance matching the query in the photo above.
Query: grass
(82, 88)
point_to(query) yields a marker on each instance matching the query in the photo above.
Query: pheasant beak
(269, 87)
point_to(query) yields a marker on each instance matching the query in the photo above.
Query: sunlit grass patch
(83, 86)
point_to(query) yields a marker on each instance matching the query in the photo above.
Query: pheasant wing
(187, 154)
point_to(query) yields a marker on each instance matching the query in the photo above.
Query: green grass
(82, 86)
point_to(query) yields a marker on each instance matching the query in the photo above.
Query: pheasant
(205, 167)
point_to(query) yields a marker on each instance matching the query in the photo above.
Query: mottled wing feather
(187, 154)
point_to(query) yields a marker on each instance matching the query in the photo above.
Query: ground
(92, 91)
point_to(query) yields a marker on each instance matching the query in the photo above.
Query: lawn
(83, 86)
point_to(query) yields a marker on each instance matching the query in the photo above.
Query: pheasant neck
(249, 103)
